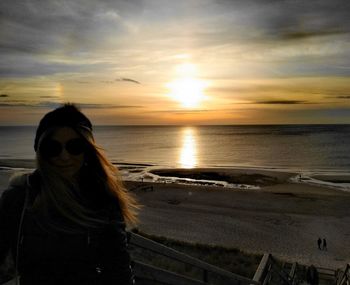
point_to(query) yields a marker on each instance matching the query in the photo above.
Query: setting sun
(187, 91)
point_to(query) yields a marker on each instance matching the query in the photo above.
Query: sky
(183, 62)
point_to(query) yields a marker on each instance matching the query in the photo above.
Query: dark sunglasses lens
(50, 148)
(75, 146)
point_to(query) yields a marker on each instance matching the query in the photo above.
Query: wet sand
(281, 217)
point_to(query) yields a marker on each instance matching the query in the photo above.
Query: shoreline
(283, 216)
(234, 177)
(336, 176)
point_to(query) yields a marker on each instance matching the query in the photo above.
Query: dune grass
(231, 259)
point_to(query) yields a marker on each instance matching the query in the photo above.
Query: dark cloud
(287, 20)
(55, 26)
(281, 102)
(300, 35)
(39, 38)
(291, 88)
(55, 104)
(3, 95)
(50, 37)
(128, 80)
(297, 19)
(121, 79)
(81, 29)
(47, 97)
(24, 104)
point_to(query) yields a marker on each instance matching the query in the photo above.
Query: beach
(281, 215)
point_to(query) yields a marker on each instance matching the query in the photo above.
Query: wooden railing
(150, 273)
(154, 275)
(292, 273)
(269, 269)
(343, 276)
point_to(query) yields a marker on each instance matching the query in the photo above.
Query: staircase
(343, 276)
(147, 274)
(271, 272)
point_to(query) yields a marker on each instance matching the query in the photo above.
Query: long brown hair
(58, 193)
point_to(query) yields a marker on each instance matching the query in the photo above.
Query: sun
(187, 89)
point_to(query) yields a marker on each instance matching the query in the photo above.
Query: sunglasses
(51, 148)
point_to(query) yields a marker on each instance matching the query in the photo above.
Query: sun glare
(186, 88)
(188, 155)
(187, 91)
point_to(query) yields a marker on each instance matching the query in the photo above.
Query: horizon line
(196, 125)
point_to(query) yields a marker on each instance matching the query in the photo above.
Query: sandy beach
(281, 217)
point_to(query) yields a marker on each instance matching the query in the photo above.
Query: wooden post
(259, 274)
(205, 276)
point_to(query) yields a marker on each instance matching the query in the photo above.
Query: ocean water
(293, 147)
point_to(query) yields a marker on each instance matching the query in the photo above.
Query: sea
(301, 148)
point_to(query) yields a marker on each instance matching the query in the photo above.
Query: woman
(64, 223)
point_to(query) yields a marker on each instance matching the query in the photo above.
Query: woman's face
(67, 151)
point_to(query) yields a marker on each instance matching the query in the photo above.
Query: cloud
(55, 104)
(61, 37)
(121, 79)
(86, 41)
(334, 95)
(281, 102)
(302, 34)
(31, 104)
(128, 80)
(298, 20)
(47, 97)
(79, 35)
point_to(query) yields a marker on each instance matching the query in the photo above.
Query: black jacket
(97, 256)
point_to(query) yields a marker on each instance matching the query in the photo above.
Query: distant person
(324, 244)
(319, 242)
(65, 222)
(312, 275)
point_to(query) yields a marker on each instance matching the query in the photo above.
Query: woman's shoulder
(13, 197)
(18, 185)
(19, 179)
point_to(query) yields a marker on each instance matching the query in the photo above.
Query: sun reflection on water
(188, 155)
